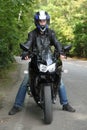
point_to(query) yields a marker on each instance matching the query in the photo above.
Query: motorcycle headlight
(50, 68)
(42, 68)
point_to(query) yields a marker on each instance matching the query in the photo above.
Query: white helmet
(42, 15)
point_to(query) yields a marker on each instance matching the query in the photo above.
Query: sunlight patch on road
(65, 71)
(18, 127)
(80, 116)
(5, 120)
(79, 64)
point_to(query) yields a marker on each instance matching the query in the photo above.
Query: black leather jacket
(37, 40)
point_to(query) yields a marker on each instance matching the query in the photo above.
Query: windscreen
(47, 56)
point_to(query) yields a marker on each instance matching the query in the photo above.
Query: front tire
(48, 113)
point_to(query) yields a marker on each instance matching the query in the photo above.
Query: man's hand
(62, 57)
(26, 58)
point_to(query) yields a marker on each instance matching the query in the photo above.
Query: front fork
(54, 92)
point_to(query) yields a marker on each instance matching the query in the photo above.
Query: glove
(23, 55)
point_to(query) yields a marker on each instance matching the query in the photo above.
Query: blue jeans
(20, 97)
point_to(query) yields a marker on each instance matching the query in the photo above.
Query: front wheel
(48, 113)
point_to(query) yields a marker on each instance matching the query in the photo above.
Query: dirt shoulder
(6, 83)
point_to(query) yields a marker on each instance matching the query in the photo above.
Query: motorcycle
(44, 78)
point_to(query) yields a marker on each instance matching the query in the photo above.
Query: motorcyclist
(41, 32)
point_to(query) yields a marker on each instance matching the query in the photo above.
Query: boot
(14, 110)
(68, 108)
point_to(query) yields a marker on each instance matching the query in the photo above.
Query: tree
(14, 21)
(66, 17)
(80, 41)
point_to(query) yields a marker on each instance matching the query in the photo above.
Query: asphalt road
(31, 117)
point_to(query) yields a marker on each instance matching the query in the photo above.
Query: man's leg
(20, 97)
(63, 98)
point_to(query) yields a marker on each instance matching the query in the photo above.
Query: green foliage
(15, 19)
(81, 40)
(68, 19)
(80, 32)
